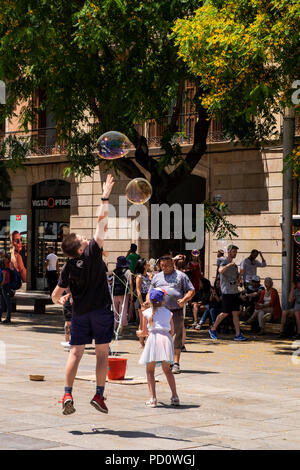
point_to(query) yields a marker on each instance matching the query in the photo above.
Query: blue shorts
(97, 325)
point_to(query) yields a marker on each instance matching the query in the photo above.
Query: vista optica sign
(51, 203)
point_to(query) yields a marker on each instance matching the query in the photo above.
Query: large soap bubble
(113, 145)
(138, 191)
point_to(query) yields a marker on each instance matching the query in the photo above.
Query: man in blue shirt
(179, 290)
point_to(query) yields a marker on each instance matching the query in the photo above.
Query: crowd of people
(156, 295)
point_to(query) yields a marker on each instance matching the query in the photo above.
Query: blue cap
(156, 295)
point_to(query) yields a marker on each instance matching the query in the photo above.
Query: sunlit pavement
(233, 395)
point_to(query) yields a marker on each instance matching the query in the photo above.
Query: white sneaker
(176, 369)
(65, 344)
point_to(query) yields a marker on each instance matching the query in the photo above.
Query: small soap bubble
(195, 252)
(138, 191)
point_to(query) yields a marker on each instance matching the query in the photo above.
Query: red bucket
(116, 368)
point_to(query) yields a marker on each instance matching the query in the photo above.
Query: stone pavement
(233, 395)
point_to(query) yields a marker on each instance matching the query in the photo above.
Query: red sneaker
(99, 404)
(68, 404)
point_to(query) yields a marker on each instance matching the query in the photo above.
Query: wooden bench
(37, 300)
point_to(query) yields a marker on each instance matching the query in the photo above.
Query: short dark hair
(232, 247)
(133, 247)
(165, 258)
(71, 245)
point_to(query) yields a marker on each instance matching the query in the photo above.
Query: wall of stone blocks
(85, 200)
(250, 182)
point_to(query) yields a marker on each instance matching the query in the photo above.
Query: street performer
(84, 275)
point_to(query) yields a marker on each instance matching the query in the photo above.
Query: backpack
(119, 282)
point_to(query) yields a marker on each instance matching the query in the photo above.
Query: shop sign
(4, 205)
(51, 203)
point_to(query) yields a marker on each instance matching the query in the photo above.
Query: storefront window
(50, 222)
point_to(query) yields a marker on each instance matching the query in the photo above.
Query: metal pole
(287, 205)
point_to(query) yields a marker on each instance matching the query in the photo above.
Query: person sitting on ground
(294, 298)
(201, 303)
(248, 267)
(268, 307)
(215, 305)
(250, 297)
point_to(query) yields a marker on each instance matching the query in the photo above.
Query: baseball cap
(156, 295)
(255, 278)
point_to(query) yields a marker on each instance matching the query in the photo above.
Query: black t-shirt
(86, 278)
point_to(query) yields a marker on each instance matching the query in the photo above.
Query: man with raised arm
(229, 280)
(84, 275)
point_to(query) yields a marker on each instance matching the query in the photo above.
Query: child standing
(159, 350)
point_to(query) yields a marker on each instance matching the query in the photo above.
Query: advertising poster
(4, 229)
(50, 230)
(18, 240)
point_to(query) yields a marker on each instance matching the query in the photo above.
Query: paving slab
(233, 395)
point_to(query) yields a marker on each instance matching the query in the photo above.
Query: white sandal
(152, 403)
(175, 401)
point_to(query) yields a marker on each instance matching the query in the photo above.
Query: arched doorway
(50, 221)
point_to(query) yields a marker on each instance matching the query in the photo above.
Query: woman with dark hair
(143, 282)
(193, 270)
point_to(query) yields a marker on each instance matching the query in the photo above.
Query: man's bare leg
(74, 358)
(236, 322)
(101, 363)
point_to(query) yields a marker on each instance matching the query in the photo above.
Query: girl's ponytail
(154, 306)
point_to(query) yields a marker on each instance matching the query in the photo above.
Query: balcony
(38, 141)
(42, 142)
(153, 130)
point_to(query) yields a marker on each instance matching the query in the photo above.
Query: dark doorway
(50, 222)
(190, 191)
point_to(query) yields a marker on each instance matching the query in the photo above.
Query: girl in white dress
(159, 350)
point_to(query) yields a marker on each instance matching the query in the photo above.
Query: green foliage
(215, 220)
(109, 62)
(293, 161)
(246, 55)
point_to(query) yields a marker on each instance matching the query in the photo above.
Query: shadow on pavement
(125, 434)
(204, 372)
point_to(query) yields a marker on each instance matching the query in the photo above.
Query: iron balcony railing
(153, 130)
(37, 141)
(45, 142)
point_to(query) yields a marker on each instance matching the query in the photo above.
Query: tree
(112, 62)
(245, 53)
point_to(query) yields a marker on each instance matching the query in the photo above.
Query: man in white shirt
(51, 269)
(249, 265)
